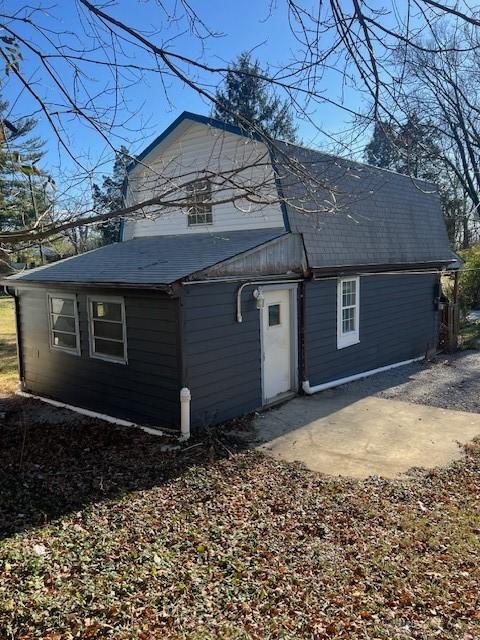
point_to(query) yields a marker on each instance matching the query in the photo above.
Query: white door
(277, 343)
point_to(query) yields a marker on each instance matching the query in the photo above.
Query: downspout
(185, 398)
(185, 393)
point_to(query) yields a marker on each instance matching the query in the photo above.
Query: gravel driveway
(452, 382)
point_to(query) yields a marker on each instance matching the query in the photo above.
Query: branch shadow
(54, 462)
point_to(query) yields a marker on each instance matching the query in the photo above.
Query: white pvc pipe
(357, 376)
(93, 414)
(185, 397)
(260, 282)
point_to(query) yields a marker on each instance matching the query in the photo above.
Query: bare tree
(443, 87)
(364, 49)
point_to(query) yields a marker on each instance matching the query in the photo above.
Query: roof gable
(191, 117)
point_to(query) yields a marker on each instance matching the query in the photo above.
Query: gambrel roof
(371, 216)
(375, 218)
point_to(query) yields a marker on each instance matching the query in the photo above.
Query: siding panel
(199, 148)
(222, 356)
(397, 322)
(146, 390)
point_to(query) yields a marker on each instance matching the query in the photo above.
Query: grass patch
(105, 536)
(469, 332)
(8, 348)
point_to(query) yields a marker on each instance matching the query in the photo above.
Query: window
(63, 322)
(273, 315)
(107, 329)
(199, 195)
(348, 305)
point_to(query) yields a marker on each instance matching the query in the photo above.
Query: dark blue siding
(397, 322)
(146, 390)
(222, 361)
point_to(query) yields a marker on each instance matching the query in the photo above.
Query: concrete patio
(342, 432)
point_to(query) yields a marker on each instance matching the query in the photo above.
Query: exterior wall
(218, 358)
(146, 390)
(222, 358)
(197, 148)
(397, 322)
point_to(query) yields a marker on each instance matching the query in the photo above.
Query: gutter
(36, 284)
(401, 268)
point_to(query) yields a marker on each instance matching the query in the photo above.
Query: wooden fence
(449, 326)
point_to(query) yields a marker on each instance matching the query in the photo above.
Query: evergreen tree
(247, 95)
(109, 196)
(23, 193)
(410, 148)
(380, 151)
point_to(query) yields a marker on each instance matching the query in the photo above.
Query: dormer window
(199, 196)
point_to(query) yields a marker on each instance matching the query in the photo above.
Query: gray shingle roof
(152, 260)
(380, 217)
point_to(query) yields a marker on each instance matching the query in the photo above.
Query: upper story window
(108, 336)
(348, 312)
(63, 322)
(199, 195)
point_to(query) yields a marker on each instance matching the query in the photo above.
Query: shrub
(469, 283)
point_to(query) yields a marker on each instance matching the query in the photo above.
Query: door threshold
(282, 397)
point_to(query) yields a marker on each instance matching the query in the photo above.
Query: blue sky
(244, 24)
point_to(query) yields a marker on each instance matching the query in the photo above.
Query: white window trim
(352, 337)
(91, 335)
(195, 225)
(56, 347)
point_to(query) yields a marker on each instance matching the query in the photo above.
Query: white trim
(93, 414)
(352, 337)
(91, 334)
(357, 376)
(63, 296)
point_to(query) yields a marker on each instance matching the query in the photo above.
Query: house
(283, 287)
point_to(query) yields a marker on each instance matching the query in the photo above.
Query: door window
(273, 315)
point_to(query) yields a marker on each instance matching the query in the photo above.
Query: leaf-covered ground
(107, 536)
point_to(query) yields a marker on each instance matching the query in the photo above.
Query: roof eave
(55, 284)
(385, 267)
